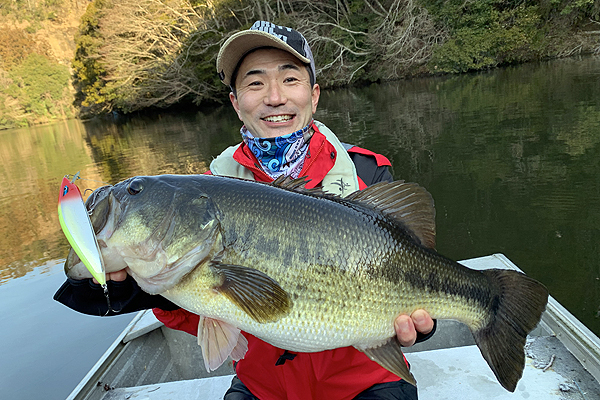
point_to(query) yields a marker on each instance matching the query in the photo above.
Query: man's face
(274, 95)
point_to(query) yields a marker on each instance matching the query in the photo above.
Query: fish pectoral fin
(220, 340)
(389, 356)
(253, 291)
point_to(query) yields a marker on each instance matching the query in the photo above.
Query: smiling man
(271, 72)
(274, 95)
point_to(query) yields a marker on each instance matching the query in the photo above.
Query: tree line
(138, 54)
(135, 54)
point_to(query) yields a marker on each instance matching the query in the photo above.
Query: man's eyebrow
(282, 67)
(288, 66)
(255, 72)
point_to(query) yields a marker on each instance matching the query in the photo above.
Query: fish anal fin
(407, 203)
(240, 349)
(219, 340)
(389, 356)
(516, 308)
(256, 293)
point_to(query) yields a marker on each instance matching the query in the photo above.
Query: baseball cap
(262, 34)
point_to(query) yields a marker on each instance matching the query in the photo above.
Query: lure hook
(105, 287)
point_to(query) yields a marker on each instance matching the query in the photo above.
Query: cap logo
(283, 33)
(272, 29)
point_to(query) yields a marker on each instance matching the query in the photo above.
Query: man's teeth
(278, 118)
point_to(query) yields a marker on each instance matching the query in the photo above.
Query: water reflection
(34, 160)
(32, 163)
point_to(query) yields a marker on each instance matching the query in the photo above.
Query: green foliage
(41, 79)
(574, 10)
(488, 33)
(485, 34)
(92, 95)
(37, 91)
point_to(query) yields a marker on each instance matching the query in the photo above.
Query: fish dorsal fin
(253, 291)
(220, 340)
(407, 203)
(296, 185)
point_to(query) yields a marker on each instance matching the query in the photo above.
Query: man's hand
(114, 276)
(407, 326)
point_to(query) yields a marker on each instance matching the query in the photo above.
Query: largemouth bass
(305, 271)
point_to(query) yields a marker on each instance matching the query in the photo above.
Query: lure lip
(77, 227)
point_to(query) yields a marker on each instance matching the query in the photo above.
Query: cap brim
(241, 43)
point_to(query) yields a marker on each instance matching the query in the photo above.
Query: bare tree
(399, 39)
(148, 45)
(154, 49)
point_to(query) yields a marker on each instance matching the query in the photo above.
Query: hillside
(65, 58)
(36, 51)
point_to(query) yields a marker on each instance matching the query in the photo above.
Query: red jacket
(333, 374)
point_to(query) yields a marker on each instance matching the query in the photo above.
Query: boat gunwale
(556, 321)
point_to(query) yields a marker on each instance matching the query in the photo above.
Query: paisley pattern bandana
(282, 155)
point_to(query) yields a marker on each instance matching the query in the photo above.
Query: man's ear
(234, 103)
(316, 92)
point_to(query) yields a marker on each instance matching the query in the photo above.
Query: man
(271, 72)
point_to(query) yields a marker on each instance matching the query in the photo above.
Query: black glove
(87, 297)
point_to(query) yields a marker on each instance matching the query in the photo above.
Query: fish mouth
(99, 206)
(108, 208)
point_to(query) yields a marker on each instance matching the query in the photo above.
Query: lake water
(511, 157)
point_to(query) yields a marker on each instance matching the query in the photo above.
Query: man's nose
(275, 95)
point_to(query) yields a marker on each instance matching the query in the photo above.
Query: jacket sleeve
(179, 319)
(371, 167)
(125, 296)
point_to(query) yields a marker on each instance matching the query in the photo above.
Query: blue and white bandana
(282, 155)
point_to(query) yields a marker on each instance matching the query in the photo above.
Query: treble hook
(105, 287)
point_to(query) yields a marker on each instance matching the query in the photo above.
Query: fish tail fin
(515, 309)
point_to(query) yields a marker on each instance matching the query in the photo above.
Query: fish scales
(352, 268)
(305, 271)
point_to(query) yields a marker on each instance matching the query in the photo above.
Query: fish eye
(135, 187)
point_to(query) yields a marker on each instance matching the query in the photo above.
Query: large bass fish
(294, 266)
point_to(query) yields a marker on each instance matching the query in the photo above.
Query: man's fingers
(114, 276)
(422, 321)
(117, 276)
(405, 330)
(407, 326)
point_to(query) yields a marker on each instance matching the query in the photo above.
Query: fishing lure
(77, 227)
